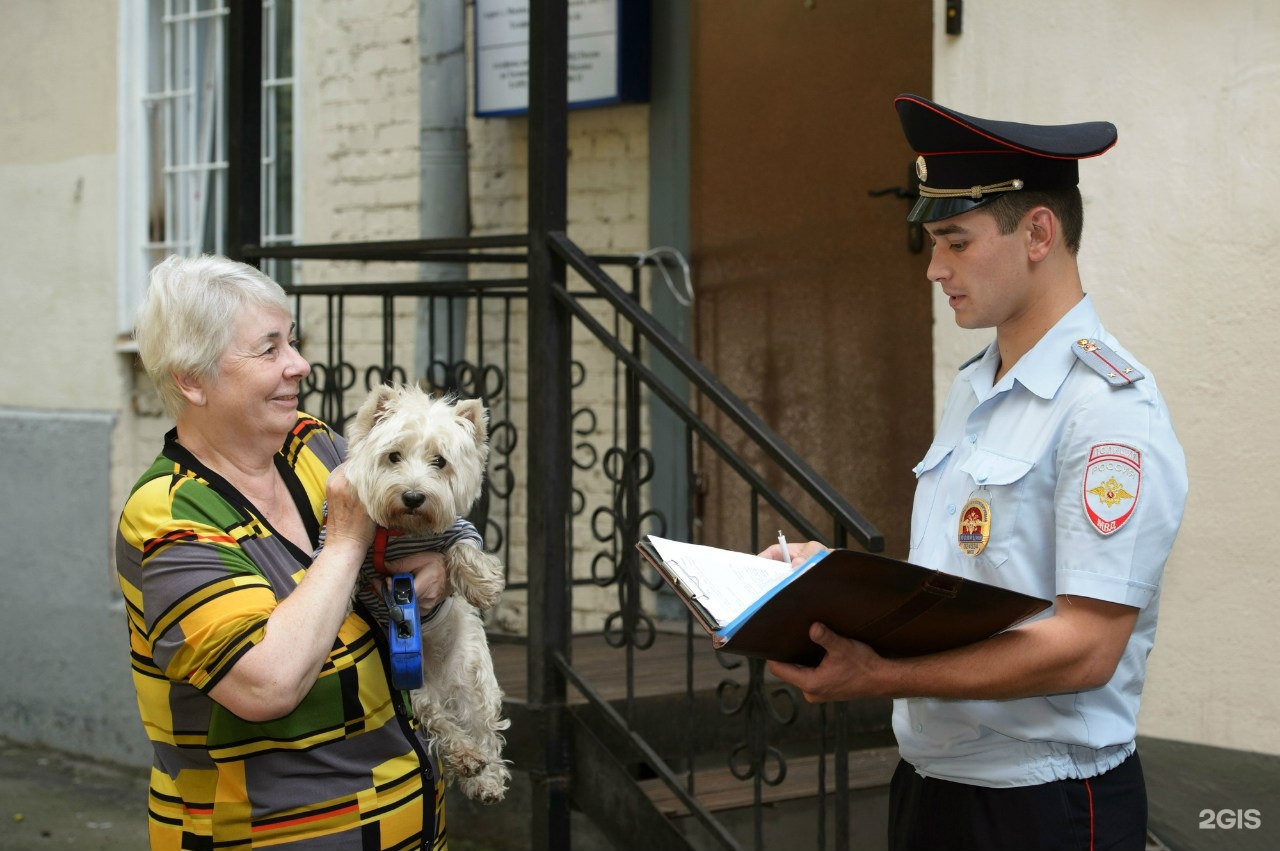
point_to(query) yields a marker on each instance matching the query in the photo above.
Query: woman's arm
(271, 679)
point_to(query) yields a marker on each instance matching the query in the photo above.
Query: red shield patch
(1112, 483)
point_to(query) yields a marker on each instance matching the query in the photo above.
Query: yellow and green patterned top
(201, 572)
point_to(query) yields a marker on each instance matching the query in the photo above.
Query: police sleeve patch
(1112, 484)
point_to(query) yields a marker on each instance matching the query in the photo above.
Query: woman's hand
(347, 520)
(430, 582)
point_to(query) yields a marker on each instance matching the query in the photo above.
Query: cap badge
(922, 170)
(1112, 483)
(975, 526)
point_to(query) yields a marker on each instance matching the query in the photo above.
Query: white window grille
(173, 135)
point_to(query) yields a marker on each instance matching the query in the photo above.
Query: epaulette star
(1103, 360)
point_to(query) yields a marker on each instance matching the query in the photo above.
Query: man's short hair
(1010, 207)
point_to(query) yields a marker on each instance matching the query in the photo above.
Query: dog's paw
(489, 786)
(463, 761)
(475, 574)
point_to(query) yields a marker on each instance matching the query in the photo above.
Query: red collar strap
(380, 537)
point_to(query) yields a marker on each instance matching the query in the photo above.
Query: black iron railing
(615, 390)
(571, 386)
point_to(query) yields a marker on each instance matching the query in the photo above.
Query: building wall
(1181, 202)
(1179, 257)
(358, 80)
(62, 388)
(58, 188)
(608, 213)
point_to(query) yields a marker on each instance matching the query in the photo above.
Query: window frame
(154, 37)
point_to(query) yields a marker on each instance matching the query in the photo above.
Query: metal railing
(616, 388)
(571, 390)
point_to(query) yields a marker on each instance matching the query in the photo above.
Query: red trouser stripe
(1089, 789)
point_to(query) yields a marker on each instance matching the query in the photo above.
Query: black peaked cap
(964, 162)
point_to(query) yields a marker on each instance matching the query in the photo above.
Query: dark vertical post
(549, 418)
(244, 126)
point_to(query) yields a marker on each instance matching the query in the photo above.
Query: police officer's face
(982, 272)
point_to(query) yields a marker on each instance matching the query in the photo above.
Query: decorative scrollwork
(744, 764)
(392, 374)
(630, 624)
(759, 706)
(584, 452)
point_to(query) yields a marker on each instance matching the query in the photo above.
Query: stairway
(621, 803)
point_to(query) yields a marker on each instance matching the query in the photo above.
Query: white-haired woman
(267, 702)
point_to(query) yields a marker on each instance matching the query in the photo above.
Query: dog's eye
(394, 457)
(440, 462)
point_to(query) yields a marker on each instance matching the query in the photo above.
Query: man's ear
(192, 389)
(1042, 232)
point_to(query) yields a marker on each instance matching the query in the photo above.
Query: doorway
(809, 304)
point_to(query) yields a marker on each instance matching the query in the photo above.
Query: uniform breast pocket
(928, 476)
(1002, 481)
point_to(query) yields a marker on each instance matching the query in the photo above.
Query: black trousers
(1103, 813)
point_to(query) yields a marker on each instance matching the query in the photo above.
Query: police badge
(975, 526)
(1112, 481)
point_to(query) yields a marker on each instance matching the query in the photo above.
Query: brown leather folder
(899, 608)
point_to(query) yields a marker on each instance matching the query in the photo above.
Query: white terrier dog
(417, 464)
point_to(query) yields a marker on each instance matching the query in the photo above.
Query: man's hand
(799, 554)
(1077, 648)
(847, 671)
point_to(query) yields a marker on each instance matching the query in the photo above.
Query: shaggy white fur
(417, 464)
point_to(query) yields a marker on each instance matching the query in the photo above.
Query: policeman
(1055, 471)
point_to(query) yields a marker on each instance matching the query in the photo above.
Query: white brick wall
(608, 181)
(359, 172)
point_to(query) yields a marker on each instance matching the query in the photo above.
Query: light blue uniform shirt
(1086, 485)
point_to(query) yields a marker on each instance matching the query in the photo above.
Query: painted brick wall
(359, 171)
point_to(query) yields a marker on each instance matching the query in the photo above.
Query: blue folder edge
(726, 632)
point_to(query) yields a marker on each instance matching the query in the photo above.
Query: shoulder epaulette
(1103, 360)
(973, 359)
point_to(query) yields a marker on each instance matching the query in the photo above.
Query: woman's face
(258, 376)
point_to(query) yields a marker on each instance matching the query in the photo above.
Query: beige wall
(1179, 254)
(58, 194)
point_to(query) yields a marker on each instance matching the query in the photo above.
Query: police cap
(964, 162)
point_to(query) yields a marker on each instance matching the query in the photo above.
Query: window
(173, 135)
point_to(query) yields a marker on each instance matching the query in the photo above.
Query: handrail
(655, 761)
(468, 287)
(399, 250)
(681, 408)
(447, 250)
(724, 399)
(592, 287)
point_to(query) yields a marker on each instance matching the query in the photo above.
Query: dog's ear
(474, 412)
(375, 406)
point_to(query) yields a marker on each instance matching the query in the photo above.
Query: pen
(782, 542)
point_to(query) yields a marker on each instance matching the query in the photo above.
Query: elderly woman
(266, 697)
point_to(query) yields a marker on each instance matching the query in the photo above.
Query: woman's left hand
(429, 580)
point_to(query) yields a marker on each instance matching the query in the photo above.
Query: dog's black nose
(413, 499)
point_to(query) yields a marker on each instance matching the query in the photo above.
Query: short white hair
(188, 318)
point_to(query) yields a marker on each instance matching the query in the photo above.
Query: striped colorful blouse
(201, 572)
